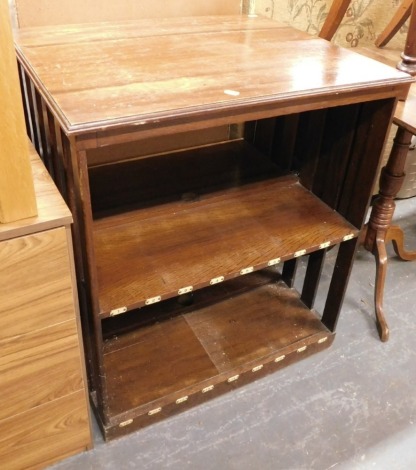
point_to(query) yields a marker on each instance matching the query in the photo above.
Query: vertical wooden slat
(284, 141)
(22, 81)
(48, 154)
(339, 282)
(312, 277)
(32, 111)
(308, 145)
(17, 194)
(372, 130)
(60, 158)
(337, 141)
(289, 271)
(43, 143)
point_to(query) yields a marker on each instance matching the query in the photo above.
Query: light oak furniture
(44, 412)
(186, 259)
(17, 201)
(379, 231)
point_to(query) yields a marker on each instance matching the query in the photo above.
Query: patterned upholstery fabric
(363, 21)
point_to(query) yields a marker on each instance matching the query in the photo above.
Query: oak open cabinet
(187, 254)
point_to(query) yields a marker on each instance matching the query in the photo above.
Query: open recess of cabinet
(201, 160)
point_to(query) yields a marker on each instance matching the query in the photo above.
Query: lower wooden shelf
(231, 334)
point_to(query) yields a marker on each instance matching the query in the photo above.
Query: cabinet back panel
(182, 176)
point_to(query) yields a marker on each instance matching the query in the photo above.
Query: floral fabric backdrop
(362, 23)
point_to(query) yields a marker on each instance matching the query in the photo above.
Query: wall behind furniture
(45, 12)
(363, 21)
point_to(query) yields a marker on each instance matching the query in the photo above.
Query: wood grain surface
(52, 210)
(184, 354)
(100, 76)
(17, 195)
(149, 229)
(43, 283)
(46, 362)
(45, 434)
(156, 252)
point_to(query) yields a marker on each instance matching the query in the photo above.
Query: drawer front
(35, 283)
(45, 434)
(39, 367)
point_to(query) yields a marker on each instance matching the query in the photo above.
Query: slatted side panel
(44, 132)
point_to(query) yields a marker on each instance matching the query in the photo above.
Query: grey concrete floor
(350, 407)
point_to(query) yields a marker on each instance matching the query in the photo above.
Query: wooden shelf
(216, 345)
(151, 254)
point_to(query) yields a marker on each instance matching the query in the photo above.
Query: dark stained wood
(334, 152)
(183, 177)
(312, 277)
(166, 220)
(166, 361)
(290, 268)
(308, 150)
(339, 281)
(154, 252)
(120, 73)
(362, 170)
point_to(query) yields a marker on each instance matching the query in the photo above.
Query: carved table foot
(396, 236)
(380, 254)
(379, 231)
(378, 248)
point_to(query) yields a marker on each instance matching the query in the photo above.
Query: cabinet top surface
(98, 76)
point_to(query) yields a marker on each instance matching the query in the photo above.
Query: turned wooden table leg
(378, 231)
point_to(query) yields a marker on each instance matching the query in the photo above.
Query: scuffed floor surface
(350, 407)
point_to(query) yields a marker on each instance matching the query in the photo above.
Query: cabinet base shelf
(251, 326)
